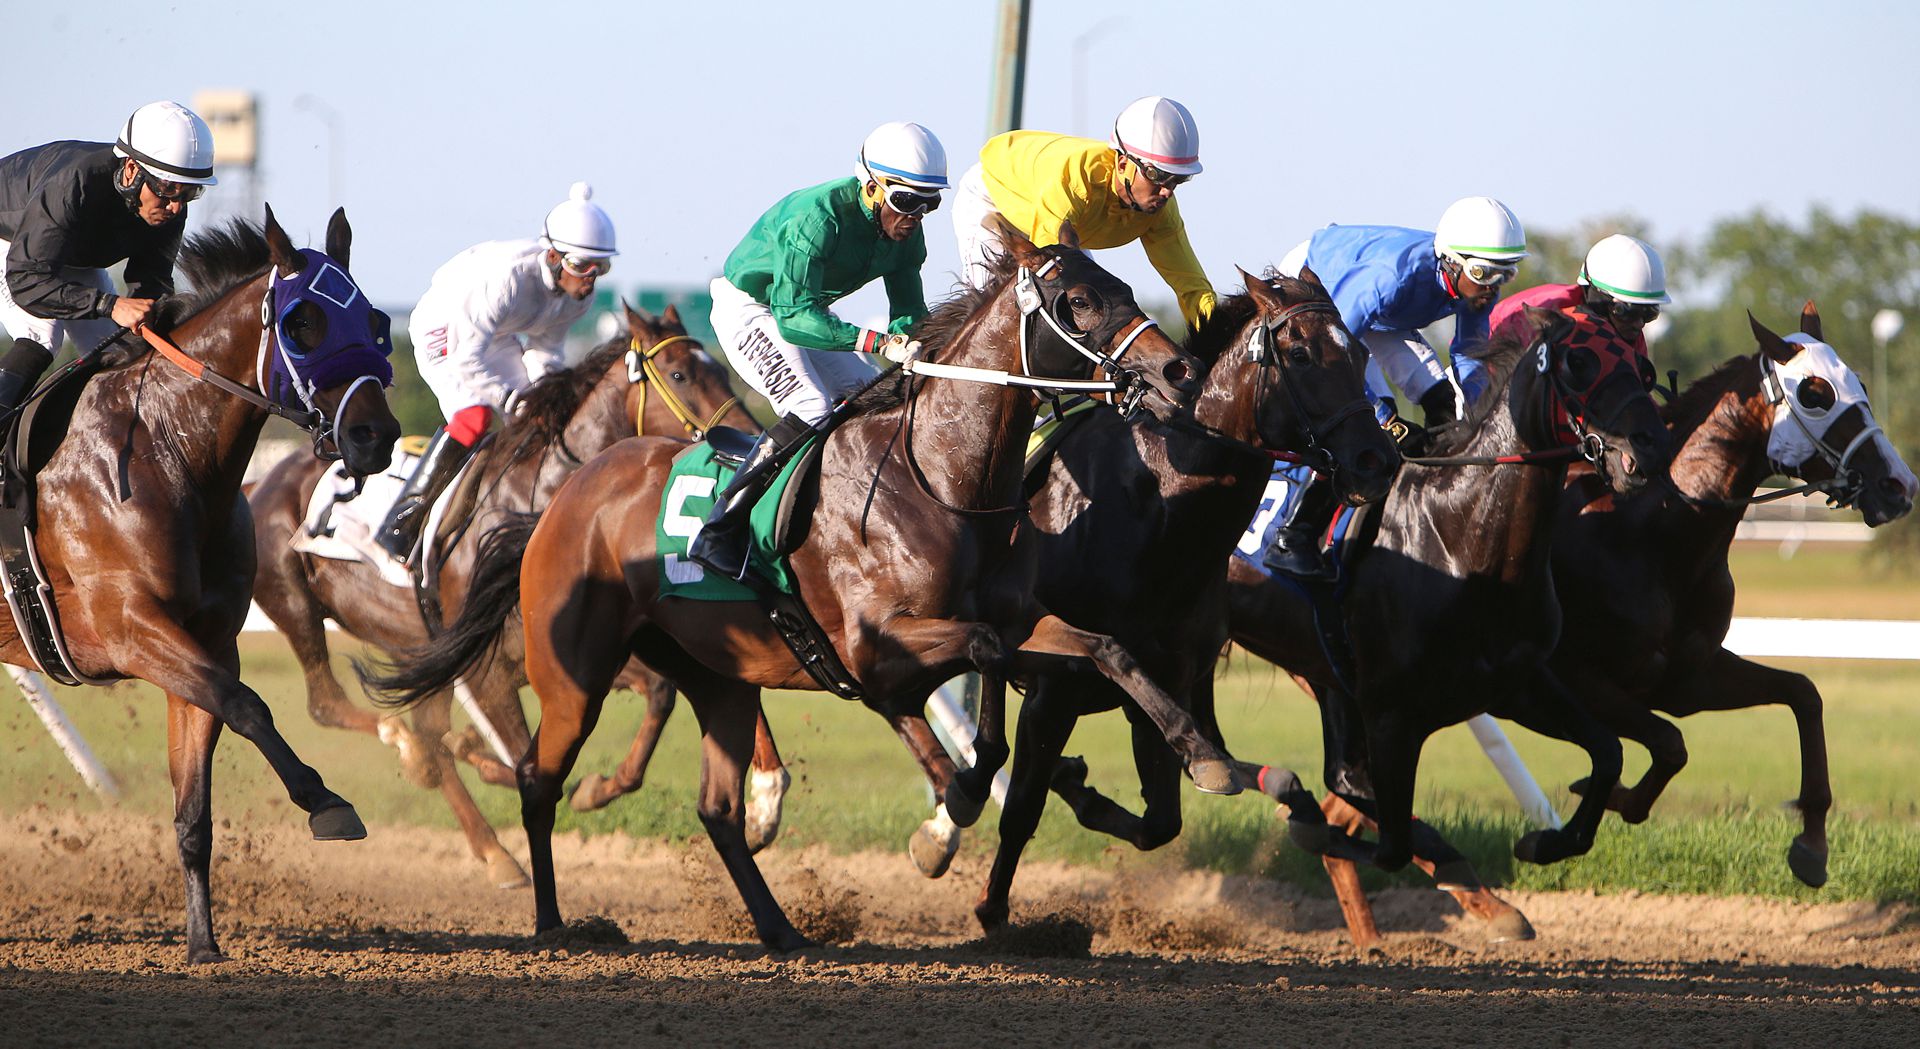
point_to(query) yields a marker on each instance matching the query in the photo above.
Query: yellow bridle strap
(650, 376)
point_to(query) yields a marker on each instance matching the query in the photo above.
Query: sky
(461, 122)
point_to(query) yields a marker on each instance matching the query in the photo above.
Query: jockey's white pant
(979, 246)
(795, 380)
(465, 380)
(86, 333)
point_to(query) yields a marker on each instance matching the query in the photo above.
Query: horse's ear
(1016, 242)
(1261, 291)
(1550, 325)
(286, 258)
(1775, 347)
(636, 319)
(339, 237)
(1810, 321)
(1069, 237)
(671, 318)
(1307, 274)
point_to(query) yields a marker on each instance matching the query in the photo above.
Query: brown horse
(651, 379)
(146, 540)
(1134, 526)
(1645, 582)
(1452, 611)
(936, 580)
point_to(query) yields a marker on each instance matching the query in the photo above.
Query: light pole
(1080, 45)
(336, 159)
(1886, 328)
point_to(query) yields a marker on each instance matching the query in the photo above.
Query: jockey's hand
(900, 349)
(1410, 436)
(131, 313)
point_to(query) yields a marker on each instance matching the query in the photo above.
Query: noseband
(642, 371)
(1260, 351)
(1846, 483)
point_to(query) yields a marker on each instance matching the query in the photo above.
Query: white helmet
(170, 142)
(1627, 269)
(905, 152)
(1161, 132)
(577, 226)
(1481, 228)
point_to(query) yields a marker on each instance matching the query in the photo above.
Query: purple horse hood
(358, 337)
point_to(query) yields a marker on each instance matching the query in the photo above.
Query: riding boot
(443, 459)
(721, 545)
(19, 370)
(1438, 405)
(1295, 550)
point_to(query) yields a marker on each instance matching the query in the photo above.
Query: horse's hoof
(1546, 846)
(464, 743)
(205, 956)
(787, 941)
(337, 823)
(1509, 927)
(1069, 774)
(933, 846)
(415, 761)
(1315, 838)
(1214, 777)
(991, 916)
(504, 872)
(765, 805)
(1808, 863)
(962, 808)
(591, 794)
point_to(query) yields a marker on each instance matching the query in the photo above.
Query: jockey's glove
(899, 349)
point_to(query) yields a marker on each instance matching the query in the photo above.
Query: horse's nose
(368, 447)
(1180, 374)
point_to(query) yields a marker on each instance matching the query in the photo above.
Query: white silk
(1800, 433)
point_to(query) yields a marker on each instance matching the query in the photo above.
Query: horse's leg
(431, 719)
(726, 711)
(1393, 744)
(158, 650)
(597, 791)
(1210, 767)
(1548, 707)
(1159, 774)
(1627, 717)
(973, 786)
(191, 735)
(937, 839)
(1045, 725)
(1450, 870)
(770, 780)
(1727, 682)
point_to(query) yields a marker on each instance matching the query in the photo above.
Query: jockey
(1114, 193)
(1623, 280)
(68, 210)
(1389, 283)
(493, 321)
(770, 307)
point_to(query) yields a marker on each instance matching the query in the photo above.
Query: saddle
(28, 440)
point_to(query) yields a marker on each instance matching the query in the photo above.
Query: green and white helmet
(1627, 269)
(1481, 228)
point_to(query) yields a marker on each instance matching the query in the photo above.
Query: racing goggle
(586, 265)
(1486, 272)
(1633, 312)
(172, 192)
(1161, 178)
(909, 201)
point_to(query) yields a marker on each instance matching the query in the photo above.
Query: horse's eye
(1299, 355)
(679, 376)
(1815, 394)
(1080, 302)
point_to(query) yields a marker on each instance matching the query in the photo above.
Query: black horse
(1451, 612)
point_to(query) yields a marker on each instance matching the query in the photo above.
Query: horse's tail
(493, 594)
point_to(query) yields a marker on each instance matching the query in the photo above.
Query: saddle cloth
(1347, 535)
(698, 475)
(340, 526)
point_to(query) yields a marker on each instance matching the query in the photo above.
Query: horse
(912, 562)
(1168, 505)
(1648, 593)
(1451, 612)
(143, 535)
(652, 378)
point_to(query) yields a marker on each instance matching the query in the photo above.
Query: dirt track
(396, 941)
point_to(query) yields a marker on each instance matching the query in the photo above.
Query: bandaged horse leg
(1208, 765)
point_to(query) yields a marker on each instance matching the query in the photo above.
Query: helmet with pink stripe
(1160, 132)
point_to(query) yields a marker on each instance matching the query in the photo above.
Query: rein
(642, 370)
(1587, 444)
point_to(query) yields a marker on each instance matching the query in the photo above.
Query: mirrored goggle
(586, 265)
(1159, 177)
(1633, 312)
(911, 202)
(1486, 273)
(180, 192)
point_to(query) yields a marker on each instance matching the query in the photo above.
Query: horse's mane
(547, 406)
(1229, 315)
(1702, 396)
(212, 263)
(1500, 354)
(936, 332)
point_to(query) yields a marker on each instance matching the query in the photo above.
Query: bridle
(1260, 351)
(642, 371)
(1033, 302)
(1846, 484)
